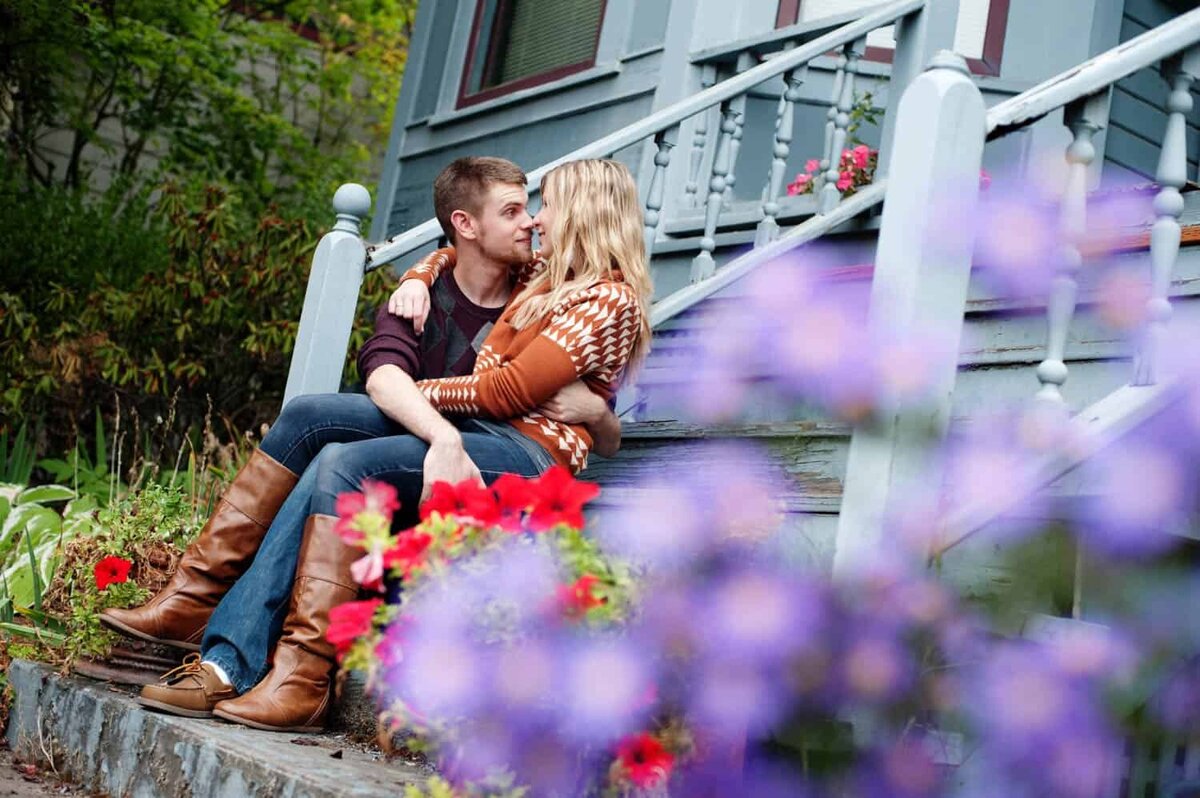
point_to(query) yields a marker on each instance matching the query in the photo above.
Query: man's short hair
(463, 184)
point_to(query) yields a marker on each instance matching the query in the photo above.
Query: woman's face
(544, 224)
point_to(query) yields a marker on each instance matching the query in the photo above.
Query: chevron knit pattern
(590, 334)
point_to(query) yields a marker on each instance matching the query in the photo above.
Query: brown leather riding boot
(223, 551)
(296, 693)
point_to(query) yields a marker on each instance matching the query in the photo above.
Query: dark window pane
(533, 37)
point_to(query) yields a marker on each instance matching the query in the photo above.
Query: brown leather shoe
(225, 548)
(191, 690)
(295, 695)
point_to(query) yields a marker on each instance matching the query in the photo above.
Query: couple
(268, 566)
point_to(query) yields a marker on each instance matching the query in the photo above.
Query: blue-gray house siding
(1136, 117)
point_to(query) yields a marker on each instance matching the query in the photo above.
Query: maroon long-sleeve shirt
(453, 335)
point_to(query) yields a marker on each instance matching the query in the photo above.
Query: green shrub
(213, 328)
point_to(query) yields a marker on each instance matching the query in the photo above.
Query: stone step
(97, 736)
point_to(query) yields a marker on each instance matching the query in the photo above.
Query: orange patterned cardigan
(590, 334)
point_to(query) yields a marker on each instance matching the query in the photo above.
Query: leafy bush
(272, 97)
(213, 328)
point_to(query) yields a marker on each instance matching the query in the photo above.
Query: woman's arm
(596, 331)
(577, 404)
(429, 267)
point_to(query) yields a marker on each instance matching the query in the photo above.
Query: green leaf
(45, 494)
(19, 518)
(81, 507)
(35, 573)
(33, 633)
(42, 527)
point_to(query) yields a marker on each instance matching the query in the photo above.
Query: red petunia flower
(514, 496)
(559, 499)
(408, 553)
(468, 501)
(577, 599)
(111, 571)
(375, 497)
(644, 759)
(348, 622)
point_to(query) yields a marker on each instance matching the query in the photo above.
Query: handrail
(429, 231)
(775, 38)
(811, 229)
(1100, 425)
(1094, 75)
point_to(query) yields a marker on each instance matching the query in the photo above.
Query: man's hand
(448, 461)
(575, 404)
(411, 301)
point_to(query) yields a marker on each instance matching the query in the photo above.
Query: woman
(579, 311)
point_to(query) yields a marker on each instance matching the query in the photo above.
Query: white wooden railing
(1083, 93)
(325, 326)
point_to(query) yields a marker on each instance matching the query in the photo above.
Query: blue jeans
(334, 441)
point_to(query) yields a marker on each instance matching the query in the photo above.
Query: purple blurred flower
(606, 684)
(1016, 246)
(1041, 727)
(1177, 702)
(1141, 496)
(905, 769)
(719, 494)
(875, 666)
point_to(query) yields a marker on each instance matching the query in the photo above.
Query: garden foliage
(169, 168)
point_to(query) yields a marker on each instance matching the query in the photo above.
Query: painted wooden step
(101, 739)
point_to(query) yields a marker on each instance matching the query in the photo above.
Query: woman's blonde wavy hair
(597, 232)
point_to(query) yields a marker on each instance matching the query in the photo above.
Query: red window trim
(993, 36)
(788, 14)
(465, 99)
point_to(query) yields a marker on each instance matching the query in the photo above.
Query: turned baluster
(1180, 72)
(665, 142)
(839, 77)
(703, 265)
(1084, 118)
(778, 115)
(691, 199)
(768, 228)
(830, 195)
(745, 61)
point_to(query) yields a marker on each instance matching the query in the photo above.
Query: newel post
(919, 36)
(330, 300)
(922, 267)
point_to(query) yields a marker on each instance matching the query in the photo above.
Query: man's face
(503, 228)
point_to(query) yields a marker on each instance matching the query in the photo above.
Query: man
(236, 610)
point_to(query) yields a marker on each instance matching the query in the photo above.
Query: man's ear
(464, 225)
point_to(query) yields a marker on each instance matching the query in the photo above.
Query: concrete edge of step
(100, 738)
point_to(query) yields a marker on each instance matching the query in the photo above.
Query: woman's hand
(411, 301)
(574, 404)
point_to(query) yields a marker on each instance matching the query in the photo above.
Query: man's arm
(388, 360)
(395, 393)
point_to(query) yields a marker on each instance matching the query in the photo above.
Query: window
(520, 43)
(979, 37)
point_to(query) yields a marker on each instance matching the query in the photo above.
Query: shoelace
(191, 667)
